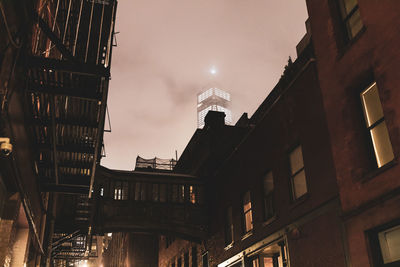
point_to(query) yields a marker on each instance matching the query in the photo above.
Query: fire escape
(66, 97)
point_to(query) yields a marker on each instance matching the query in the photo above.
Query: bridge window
(163, 192)
(247, 213)
(155, 193)
(174, 193)
(181, 193)
(121, 190)
(192, 194)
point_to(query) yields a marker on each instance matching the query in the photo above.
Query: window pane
(389, 242)
(296, 159)
(372, 105)
(248, 221)
(268, 183)
(246, 201)
(163, 192)
(354, 23)
(299, 184)
(382, 144)
(268, 262)
(348, 5)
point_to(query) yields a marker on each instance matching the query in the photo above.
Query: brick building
(314, 181)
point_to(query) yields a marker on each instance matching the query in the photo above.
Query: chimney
(214, 119)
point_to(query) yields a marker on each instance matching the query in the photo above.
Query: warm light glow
(213, 70)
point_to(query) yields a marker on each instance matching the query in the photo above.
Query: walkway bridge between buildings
(149, 201)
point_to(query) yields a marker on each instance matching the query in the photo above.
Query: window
(186, 259)
(385, 245)
(274, 255)
(298, 176)
(268, 190)
(205, 259)
(376, 125)
(228, 227)
(120, 190)
(194, 256)
(247, 212)
(389, 242)
(351, 17)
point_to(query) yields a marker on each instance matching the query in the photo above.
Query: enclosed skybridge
(149, 201)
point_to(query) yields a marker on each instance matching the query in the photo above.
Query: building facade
(213, 99)
(315, 180)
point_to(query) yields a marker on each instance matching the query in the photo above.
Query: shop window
(186, 259)
(297, 173)
(247, 213)
(274, 255)
(376, 125)
(228, 227)
(194, 256)
(204, 258)
(351, 18)
(268, 190)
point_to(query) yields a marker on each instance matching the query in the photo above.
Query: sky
(165, 50)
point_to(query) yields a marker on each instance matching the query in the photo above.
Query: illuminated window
(376, 125)
(268, 190)
(228, 227)
(351, 17)
(192, 194)
(298, 176)
(247, 212)
(385, 245)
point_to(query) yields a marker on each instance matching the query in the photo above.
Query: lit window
(376, 125)
(192, 194)
(389, 242)
(351, 17)
(268, 188)
(385, 245)
(228, 227)
(247, 212)
(298, 176)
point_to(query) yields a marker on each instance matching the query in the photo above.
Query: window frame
(228, 227)
(269, 196)
(367, 128)
(250, 210)
(374, 245)
(345, 18)
(293, 175)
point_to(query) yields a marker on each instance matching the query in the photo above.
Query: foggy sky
(164, 53)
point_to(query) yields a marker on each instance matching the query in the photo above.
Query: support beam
(67, 122)
(82, 93)
(66, 188)
(68, 66)
(57, 42)
(69, 148)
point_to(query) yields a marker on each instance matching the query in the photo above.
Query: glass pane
(268, 183)
(269, 207)
(155, 192)
(348, 6)
(354, 24)
(296, 159)
(268, 262)
(299, 184)
(389, 241)
(382, 144)
(255, 263)
(248, 221)
(137, 191)
(246, 201)
(163, 192)
(372, 105)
